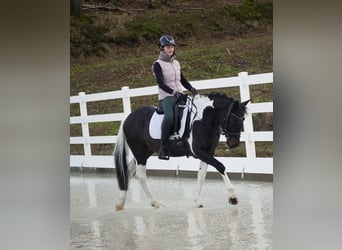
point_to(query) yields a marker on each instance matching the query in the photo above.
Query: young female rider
(169, 77)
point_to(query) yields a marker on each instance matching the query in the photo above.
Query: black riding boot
(163, 152)
(164, 141)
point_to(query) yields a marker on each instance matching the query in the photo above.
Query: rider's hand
(178, 94)
(194, 91)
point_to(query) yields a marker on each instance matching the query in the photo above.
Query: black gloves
(194, 91)
(180, 94)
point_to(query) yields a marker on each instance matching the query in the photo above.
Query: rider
(169, 77)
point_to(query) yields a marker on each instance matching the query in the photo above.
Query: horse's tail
(120, 159)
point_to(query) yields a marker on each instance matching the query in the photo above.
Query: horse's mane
(214, 95)
(223, 98)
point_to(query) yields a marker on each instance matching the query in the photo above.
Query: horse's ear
(245, 102)
(236, 104)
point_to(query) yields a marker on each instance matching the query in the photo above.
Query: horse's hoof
(156, 204)
(118, 207)
(233, 200)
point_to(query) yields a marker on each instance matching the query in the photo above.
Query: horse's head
(231, 119)
(232, 123)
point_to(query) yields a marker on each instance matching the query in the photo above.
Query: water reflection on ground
(178, 224)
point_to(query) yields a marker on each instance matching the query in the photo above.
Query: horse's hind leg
(141, 175)
(122, 199)
(123, 193)
(200, 181)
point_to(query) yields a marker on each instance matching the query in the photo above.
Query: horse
(212, 115)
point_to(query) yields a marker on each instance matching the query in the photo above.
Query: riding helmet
(166, 40)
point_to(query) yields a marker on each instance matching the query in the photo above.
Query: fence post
(248, 123)
(85, 128)
(126, 100)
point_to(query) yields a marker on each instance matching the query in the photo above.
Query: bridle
(225, 131)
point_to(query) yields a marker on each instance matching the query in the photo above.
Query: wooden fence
(248, 164)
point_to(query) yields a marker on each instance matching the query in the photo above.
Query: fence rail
(248, 164)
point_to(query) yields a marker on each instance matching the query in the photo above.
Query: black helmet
(166, 40)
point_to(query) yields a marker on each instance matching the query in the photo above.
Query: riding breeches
(167, 105)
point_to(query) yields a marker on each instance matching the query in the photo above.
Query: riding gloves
(194, 91)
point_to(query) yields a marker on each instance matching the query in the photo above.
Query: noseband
(225, 131)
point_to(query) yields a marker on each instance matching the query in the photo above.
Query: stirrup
(163, 157)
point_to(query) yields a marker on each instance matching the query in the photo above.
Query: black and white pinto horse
(215, 114)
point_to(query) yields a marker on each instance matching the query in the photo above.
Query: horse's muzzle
(233, 142)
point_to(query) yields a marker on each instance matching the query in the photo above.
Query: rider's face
(169, 49)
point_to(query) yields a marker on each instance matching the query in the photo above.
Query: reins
(224, 132)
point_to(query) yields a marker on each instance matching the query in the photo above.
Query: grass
(204, 61)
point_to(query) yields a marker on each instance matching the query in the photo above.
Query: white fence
(248, 164)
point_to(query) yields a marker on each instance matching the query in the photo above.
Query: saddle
(181, 124)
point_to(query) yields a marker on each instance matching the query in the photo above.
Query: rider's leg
(167, 105)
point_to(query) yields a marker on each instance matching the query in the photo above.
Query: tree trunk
(75, 7)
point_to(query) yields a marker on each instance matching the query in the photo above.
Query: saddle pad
(156, 121)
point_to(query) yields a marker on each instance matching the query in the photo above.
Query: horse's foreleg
(204, 156)
(232, 197)
(122, 199)
(200, 181)
(141, 175)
